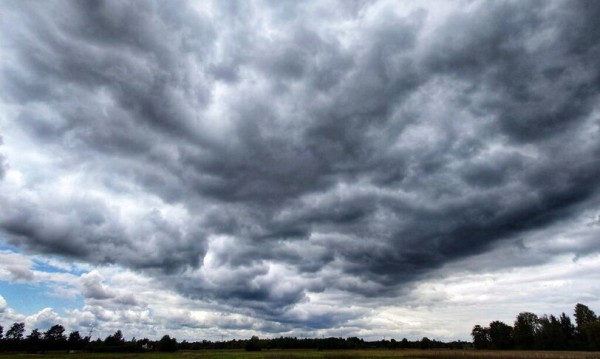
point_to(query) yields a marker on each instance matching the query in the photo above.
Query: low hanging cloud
(252, 154)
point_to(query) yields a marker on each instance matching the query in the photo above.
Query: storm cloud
(251, 154)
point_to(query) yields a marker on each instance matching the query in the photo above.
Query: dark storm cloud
(87, 229)
(536, 64)
(356, 158)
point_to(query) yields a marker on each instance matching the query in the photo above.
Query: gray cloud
(93, 288)
(356, 157)
(3, 164)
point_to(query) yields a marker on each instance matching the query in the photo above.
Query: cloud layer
(259, 156)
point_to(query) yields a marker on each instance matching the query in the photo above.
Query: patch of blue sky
(48, 264)
(28, 298)
(52, 265)
(7, 247)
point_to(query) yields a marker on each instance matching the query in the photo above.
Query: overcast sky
(316, 168)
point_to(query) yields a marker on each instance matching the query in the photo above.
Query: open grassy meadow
(313, 354)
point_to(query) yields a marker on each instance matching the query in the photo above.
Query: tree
(583, 316)
(33, 341)
(75, 341)
(567, 328)
(1, 332)
(587, 329)
(55, 333)
(592, 335)
(16, 331)
(393, 343)
(425, 343)
(524, 330)
(14, 337)
(253, 345)
(115, 339)
(54, 338)
(550, 334)
(354, 342)
(145, 344)
(167, 344)
(480, 336)
(34, 335)
(500, 335)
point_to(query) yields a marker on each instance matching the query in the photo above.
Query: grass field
(313, 354)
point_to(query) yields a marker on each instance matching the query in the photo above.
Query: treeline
(55, 339)
(330, 343)
(546, 332)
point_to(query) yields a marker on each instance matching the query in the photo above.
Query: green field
(313, 354)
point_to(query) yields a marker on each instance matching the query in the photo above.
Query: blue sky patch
(29, 299)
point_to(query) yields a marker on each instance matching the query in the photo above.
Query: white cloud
(42, 320)
(2, 304)
(15, 267)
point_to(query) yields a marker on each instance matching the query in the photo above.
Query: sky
(217, 170)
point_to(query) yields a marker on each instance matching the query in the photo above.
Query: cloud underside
(255, 156)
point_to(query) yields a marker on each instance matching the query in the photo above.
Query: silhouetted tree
(592, 335)
(14, 335)
(404, 343)
(583, 316)
(167, 344)
(500, 335)
(524, 330)
(425, 343)
(34, 340)
(54, 338)
(75, 341)
(1, 332)
(586, 329)
(16, 331)
(567, 328)
(481, 338)
(114, 340)
(550, 334)
(253, 345)
(144, 344)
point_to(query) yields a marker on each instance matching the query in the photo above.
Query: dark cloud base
(379, 156)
